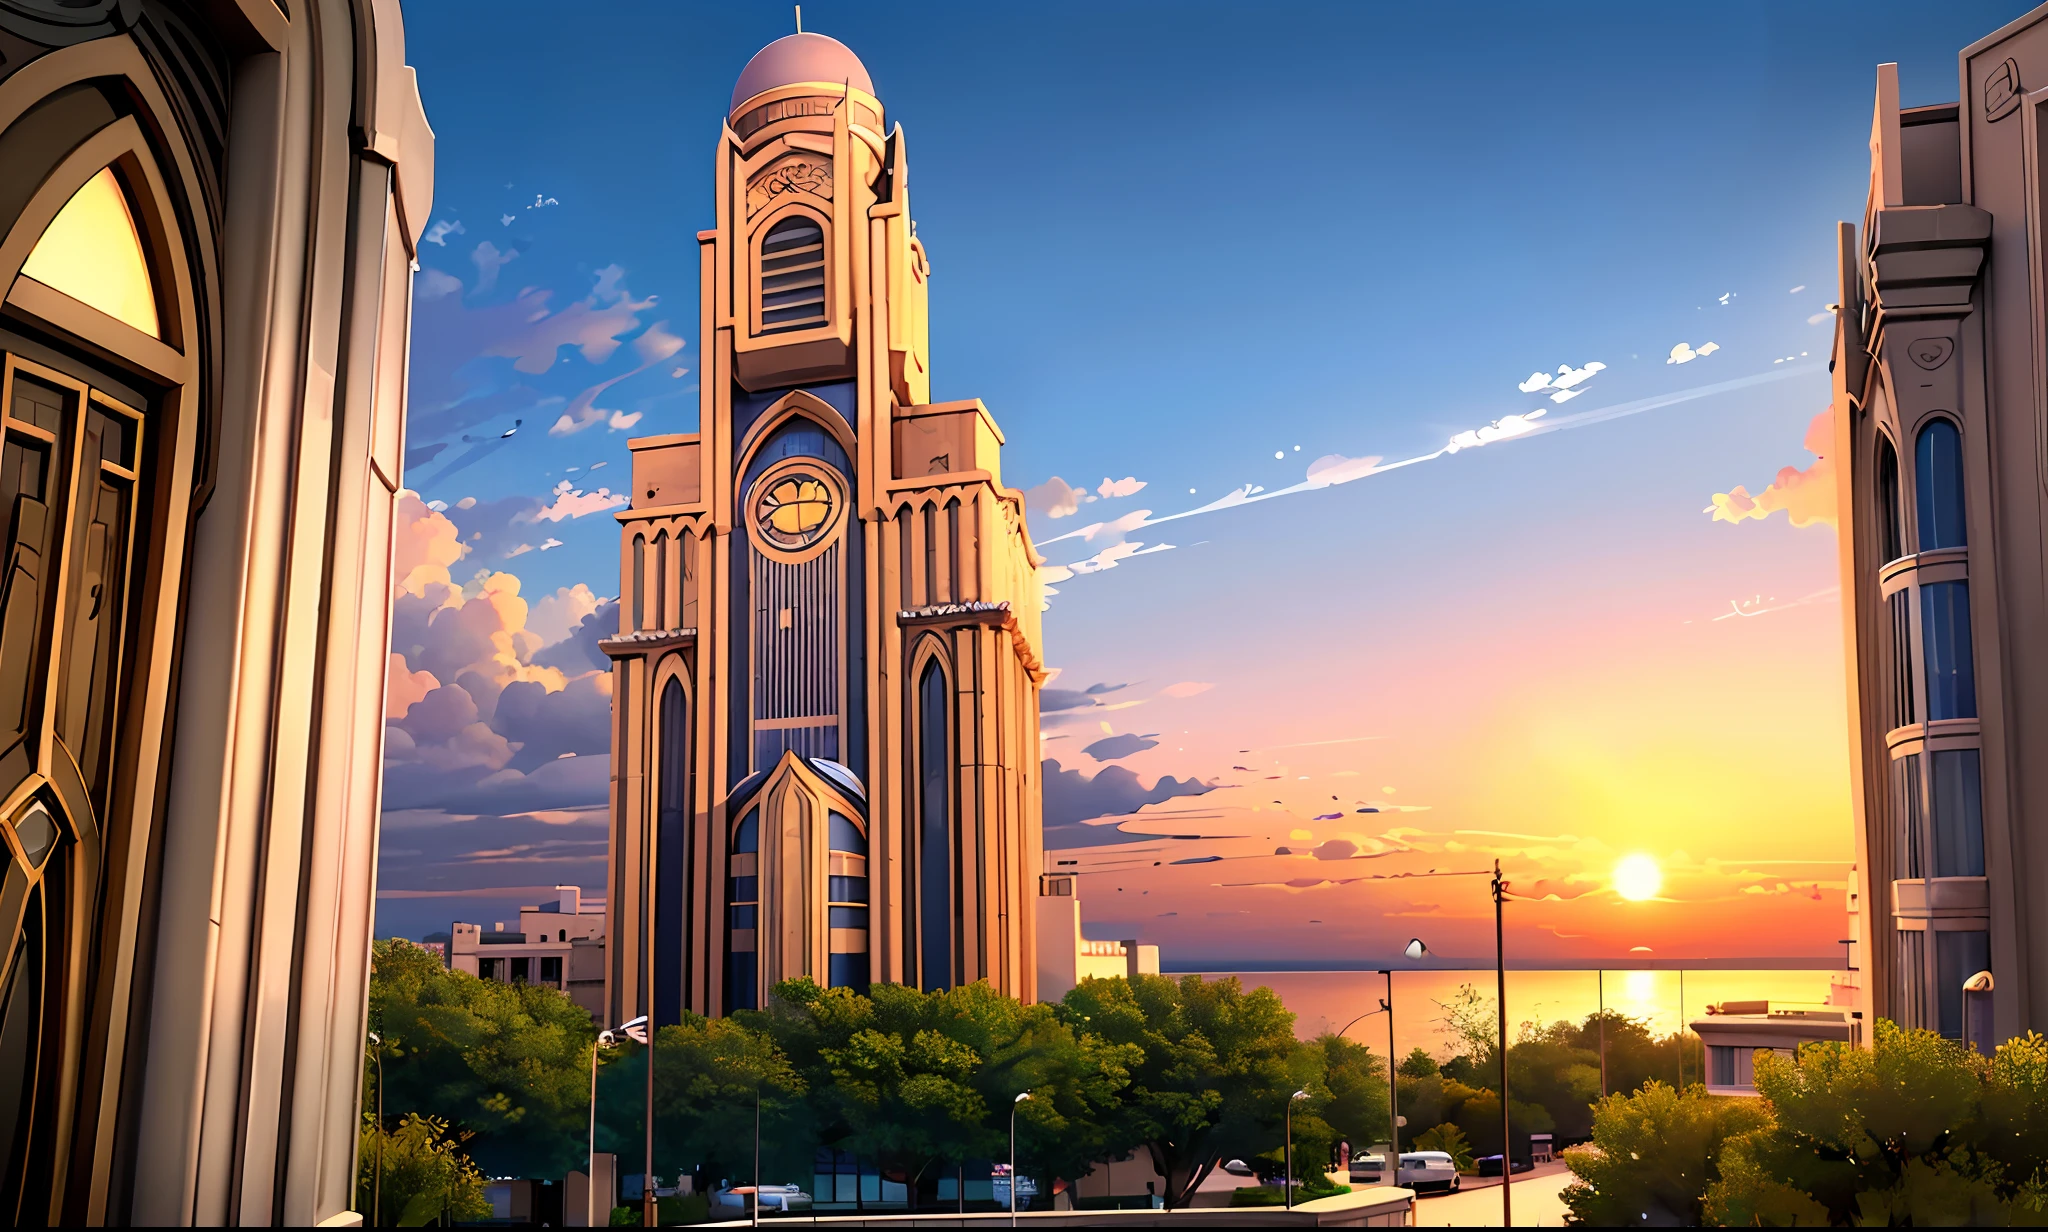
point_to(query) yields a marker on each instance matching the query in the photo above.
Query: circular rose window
(793, 510)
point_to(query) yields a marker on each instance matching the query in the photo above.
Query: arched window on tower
(672, 855)
(1938, 483)
(848, 898)
(793, 274)
(743, 894)
(934, 840)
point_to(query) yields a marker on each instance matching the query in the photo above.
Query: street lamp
(637, 1029)
(1021, 1097)
(1287, 1160)
(377, 1190)
(757, 1156)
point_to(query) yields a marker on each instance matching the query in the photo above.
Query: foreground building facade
(1941, 442)
(826, 674)
(207, 217)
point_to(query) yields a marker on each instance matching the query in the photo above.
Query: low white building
(560, 944)
(1065, 957)
(1733, 1031)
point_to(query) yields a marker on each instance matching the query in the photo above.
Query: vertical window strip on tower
(1906, 861)
(935, 815)
(796, 664)
(672, 855)
(1893, 544)
(1945, 638)
(743, 896)
(1958, 815)
(847, 903)
(793, 274)
(1909, 994)
(1938, 483)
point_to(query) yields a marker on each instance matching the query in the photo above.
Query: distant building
(1065, 957)
(1733, 1031)
(560, 944)
(1940, 373)
(438, 949)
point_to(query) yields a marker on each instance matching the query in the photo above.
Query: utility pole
(1500, 968)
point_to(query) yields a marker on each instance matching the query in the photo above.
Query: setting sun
(1637, 877)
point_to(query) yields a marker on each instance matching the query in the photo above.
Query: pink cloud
(1807, 496)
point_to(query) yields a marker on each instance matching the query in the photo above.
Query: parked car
(1420, 1170)
(1489, 1165)
(784, 1198)
(1368, 1169)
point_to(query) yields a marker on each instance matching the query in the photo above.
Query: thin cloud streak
(1253, 494)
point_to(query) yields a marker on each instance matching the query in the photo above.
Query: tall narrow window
(1910, 831)
(672, 855)
(1891, 543)
(847, 895)
(743, 893)
(1909, 979)
(793, 274)
(1958, 815)
(1957, 957)
(1945, 639)
(934, 844)
(1938, 483)
(1899, 612)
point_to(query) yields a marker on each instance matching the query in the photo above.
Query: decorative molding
(645, 641)
(808, 174)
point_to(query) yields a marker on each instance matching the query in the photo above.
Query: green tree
(508, 1063)
(1549, 1068)
(917, 1081)
(1451, 1141)
(1218, 1065)
(1915, 1129)
(1657, 1152)
(1357, 1082)
(424, 1174)
(1418, 1064)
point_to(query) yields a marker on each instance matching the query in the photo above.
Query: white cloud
(1818, 317)
(1055, 498)
(440, 231)
(1333, 468)
(1116, 526)
(1796, 290)
(521, 550)
(1186, 688)
(433, 284)
(654, 346)
(489, 261)
(550, 543)
(1565, 378)
(1127, 486)
(1684, 353)
(504, 220)
(1499, 430)
(575, 503)
(1115, 554)
(554, 617)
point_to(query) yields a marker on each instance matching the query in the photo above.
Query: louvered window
(793, 274)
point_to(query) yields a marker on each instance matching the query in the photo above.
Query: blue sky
(1171, 241)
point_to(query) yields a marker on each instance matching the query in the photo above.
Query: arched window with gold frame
(99, 425)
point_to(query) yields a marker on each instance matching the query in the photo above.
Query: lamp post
(635, 1030)
(1500, 967)
(1287, 1180)
(377, 1184)
(1021, 1097)
(605, 1039)
(757, 1157)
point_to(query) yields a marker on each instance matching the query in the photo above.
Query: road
(1477, 1206)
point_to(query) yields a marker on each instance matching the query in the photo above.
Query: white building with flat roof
(560, 944)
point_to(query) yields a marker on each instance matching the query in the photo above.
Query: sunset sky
(1261, 267)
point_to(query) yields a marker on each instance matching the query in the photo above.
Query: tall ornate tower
(827, 667)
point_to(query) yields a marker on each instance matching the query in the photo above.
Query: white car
(1420, 1171)
(784, 1198)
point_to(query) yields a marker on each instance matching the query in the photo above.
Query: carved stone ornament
(2002, 92)
(797, 173)
(1930, 353)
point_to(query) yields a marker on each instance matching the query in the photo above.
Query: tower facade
(1940, 376)
(825, 680)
